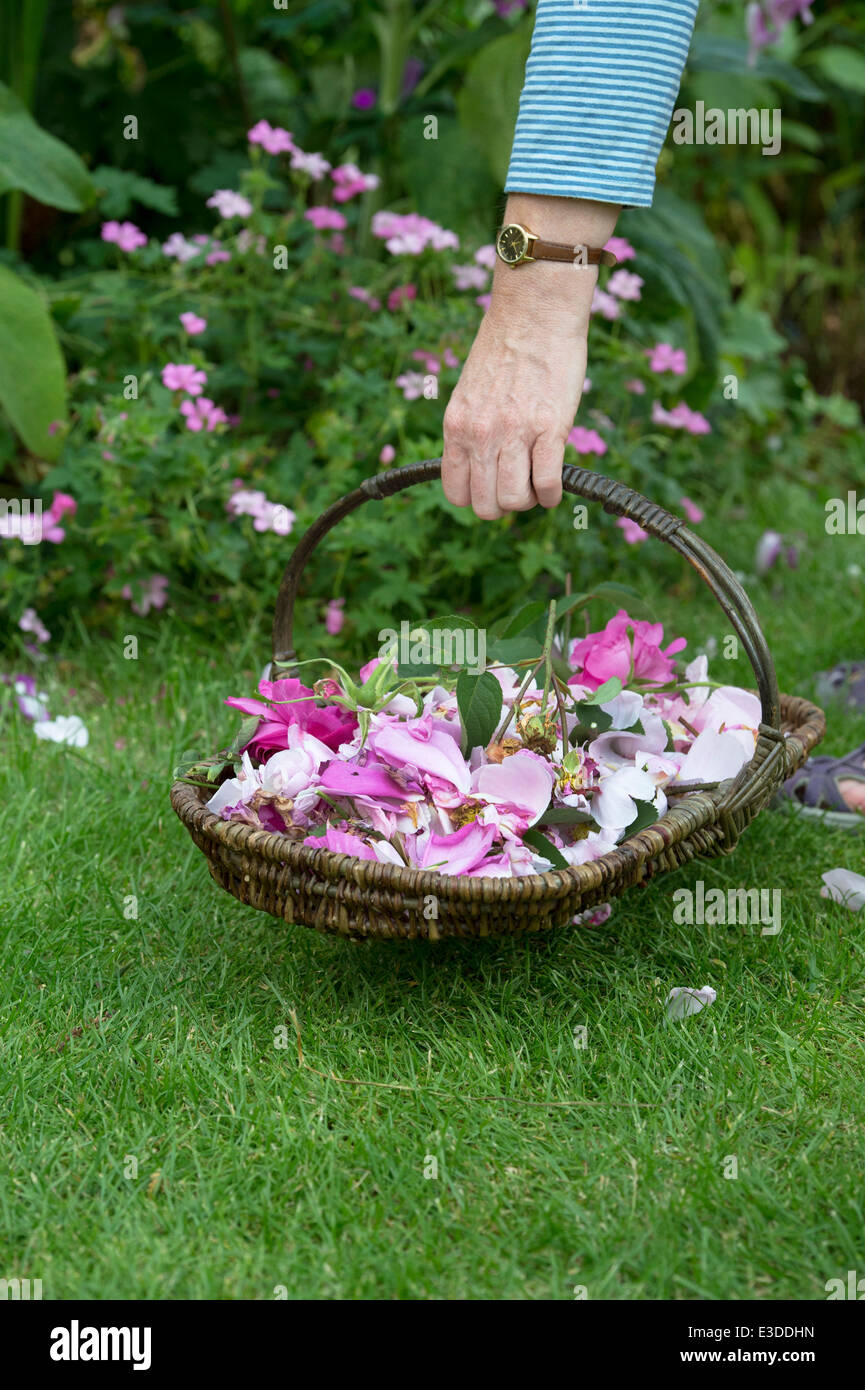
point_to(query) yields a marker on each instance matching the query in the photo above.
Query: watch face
(512, 243)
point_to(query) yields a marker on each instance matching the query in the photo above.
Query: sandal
(845, 682)
(813, 789)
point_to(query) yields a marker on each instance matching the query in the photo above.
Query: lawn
(165, 1133)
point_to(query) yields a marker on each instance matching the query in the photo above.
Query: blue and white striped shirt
(601, 83)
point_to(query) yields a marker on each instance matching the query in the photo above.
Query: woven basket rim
(803, 722)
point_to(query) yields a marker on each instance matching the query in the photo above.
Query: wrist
(557, 295)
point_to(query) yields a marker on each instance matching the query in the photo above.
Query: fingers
(456, 458)
(514, 491)
(547, 457)
(484, 453)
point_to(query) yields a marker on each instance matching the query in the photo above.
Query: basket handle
(757, 781)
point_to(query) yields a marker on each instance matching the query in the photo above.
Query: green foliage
(37, 163)
(33, 394)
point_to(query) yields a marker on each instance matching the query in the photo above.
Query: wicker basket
(359, 899)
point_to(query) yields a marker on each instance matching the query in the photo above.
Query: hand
(507, 421)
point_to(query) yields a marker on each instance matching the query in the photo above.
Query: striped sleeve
(601, 82)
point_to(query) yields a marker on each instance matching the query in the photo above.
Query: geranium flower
(335, 617)
(273, 139)
(31, 622)
(681, 417)
(326, 219)
(124, 235)
(663, 357)
(184, 376)
(586, 441)
(605, 304)
(470, 277)
(349, 181)
(313, 164)
(153, 594)
(633, 532)
(694, 513)
(203, 414)
(625, 285)
(229, 204)
(621, 249)
(192, 324)
(179, 248)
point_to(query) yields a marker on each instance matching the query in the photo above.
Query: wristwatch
(515, 245)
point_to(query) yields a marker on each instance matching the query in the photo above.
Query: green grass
(558, 1166)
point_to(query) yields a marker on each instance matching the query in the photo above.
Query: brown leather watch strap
(577, 255)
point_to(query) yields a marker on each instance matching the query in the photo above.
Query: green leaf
(490, 94)
(32, 371)
(541, 845)
(36, 162)
(120, 188)
(565, 815)
(843, 66)
(479, 699)
(606, 692)
(647, 814)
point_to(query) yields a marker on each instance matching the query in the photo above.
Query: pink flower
(184, 376)
(31, 622)
(408, 234)
(401, 295)
(621, 249)
(192, 324)
(180, 248)
(229, 204)
(681, 417)
(450, 358)
(635, 386)
(387, 455)
(634, 655)
(365, 297)
(313, 164)
(431, 364)
(340, 842)
(203, 414)
(663, 357)
(364, 98)
(411, 384)
(633, 533)
(484, 301)
(422, 747)
(768, 550)
(605, 304)
(463, 852)
(325, 219)
(334, 618)
(691, 510)
(125, 235)
(349, 181)
(586, 441)
(152, 594)
(217, 255)
(470, 277)
(625, 285)
(291, 703)
(486, 256)
(273, 139)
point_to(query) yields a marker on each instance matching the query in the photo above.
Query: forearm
(557, 295)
